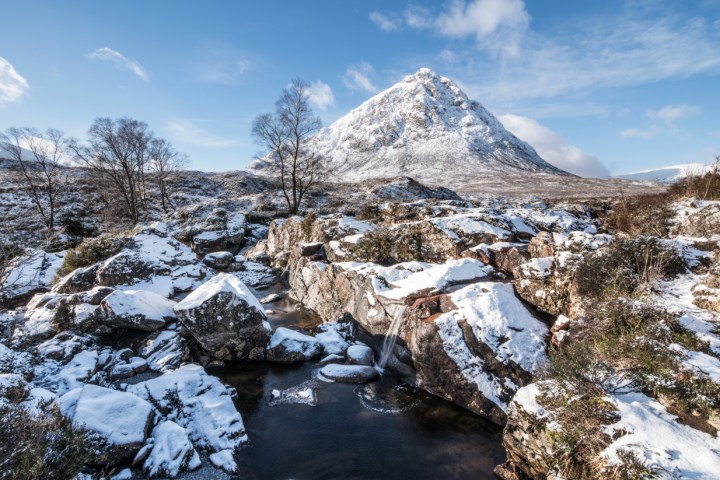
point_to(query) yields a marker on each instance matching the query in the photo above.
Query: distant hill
(669, 174)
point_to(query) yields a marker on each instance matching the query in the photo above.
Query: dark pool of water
(382, 430)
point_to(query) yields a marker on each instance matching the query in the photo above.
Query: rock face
(527, 439)
(289, 346)
(225, 318)
(448, 345)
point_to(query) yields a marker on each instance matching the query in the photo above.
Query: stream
(381, 430)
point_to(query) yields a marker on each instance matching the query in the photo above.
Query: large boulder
(137, 310)
(288, 346)
(225, 318)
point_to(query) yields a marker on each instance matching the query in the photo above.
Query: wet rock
(349, 373)
(288, 346)
(360, 355)
(218, 260)
(225, 318)
(272, 298)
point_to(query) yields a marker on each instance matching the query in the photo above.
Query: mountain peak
(427, 128)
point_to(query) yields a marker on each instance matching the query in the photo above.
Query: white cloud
(638, 133)
(119, 60)
(358, 76)
(188, 131)
(418, 17)
(385, 22)
(553, 148)
(12, 84)
(671, 113)
(320, 95)
(481, 18)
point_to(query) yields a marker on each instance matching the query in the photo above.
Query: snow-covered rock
(29, 273)
(349, 373)
(225, 318)
(137, 309)
(199, 403)
(360, 355)
(120, 419)
(288, 346)
(218, 260)
(172, 451)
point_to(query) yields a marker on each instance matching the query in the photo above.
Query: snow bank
(660, 441)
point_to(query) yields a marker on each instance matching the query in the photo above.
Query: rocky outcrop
(547, 279)
(445, 345)
(151, 260)
(225, 318)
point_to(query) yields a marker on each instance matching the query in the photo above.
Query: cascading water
(390, 338)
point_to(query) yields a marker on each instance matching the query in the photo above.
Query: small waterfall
(390, 338)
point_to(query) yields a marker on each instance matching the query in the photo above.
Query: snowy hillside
(424, 127)
(669, 174)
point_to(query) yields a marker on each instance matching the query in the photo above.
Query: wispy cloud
(188, 131)
(12, 85)
(513, 63)
(320, 95)
(554, 148)
(671, 113)
(384, 22)
(357, 77)
(119, 60)
(645, 134)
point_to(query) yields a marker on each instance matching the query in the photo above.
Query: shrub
(92, 250)
(40, 446)
(388, 247)
(703, 186)
(306, 225)
(625, 265)
(642, 214)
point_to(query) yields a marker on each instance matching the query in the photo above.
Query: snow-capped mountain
(669, 174)
(424, 127)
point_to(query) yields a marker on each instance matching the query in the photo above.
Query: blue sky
(602, 86)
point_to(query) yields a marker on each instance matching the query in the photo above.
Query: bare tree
(39, 157)
(118, 151)
(285, 135)
(165, 163)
